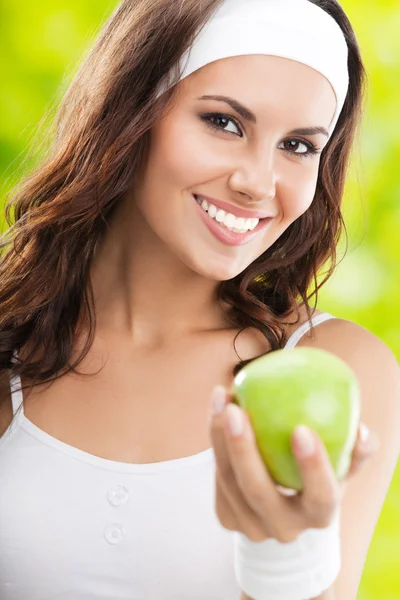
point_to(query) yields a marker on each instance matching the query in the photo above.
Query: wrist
(299, 570)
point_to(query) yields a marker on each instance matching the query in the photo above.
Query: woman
(118, 262)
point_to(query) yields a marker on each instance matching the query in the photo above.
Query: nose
(256, 177)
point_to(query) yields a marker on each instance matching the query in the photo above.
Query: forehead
(268, 85)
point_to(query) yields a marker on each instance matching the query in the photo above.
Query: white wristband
(297, 570)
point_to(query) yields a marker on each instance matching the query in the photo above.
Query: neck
(144, 292)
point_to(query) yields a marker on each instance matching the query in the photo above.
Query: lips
(226, 236)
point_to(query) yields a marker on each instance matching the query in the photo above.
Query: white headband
(294, 29)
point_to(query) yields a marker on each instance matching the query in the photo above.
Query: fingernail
(304, 441)
(364, 433)
(218, 396)
(235, 420)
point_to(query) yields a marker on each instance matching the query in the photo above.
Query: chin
(217, 271)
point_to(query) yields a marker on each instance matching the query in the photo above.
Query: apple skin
(293, 386)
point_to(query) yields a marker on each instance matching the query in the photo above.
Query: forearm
(327, 595)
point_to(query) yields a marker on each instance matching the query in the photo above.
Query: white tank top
(74, 526)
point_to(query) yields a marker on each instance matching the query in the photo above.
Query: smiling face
(253, 165)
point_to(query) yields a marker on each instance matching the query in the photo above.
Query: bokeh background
(41, 44)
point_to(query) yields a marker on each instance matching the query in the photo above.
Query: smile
(228, 228)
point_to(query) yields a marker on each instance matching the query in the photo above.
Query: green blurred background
(40, 48)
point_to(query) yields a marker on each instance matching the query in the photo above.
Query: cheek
(298, 192)
(183, 156)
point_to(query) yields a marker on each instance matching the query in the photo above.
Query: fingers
(251, 474)
(321, 494)
(223, 507)
(229, 495)
(225, 473)
(366, 445)
(322, 491)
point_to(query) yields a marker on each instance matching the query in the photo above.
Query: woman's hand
(247, 498)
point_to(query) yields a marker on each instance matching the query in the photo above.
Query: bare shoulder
(351, 342)
(364, 351)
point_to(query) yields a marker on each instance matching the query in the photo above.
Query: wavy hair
(98, 144)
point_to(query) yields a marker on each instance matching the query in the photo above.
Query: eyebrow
(251, 117)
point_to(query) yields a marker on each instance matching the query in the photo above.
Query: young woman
(170, 236)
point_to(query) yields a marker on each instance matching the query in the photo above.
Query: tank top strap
(298, 333)
(16, 392)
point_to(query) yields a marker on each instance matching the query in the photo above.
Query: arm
(378, 373)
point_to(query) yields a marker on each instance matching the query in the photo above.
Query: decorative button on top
(118, 496)
(114, 533)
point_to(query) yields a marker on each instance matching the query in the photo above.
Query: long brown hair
(62, 209)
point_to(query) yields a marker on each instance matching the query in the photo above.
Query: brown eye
(292, 147)
(220, 121)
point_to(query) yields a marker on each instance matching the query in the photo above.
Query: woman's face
(255, 165)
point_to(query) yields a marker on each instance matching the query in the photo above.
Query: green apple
(296, 386)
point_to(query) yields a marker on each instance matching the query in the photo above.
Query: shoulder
(353, 343)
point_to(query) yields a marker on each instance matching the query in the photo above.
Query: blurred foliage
(41, 45)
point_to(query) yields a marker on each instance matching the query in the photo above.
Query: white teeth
(212, 210)
(240, 223)
(231, 222)
(220, 215)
